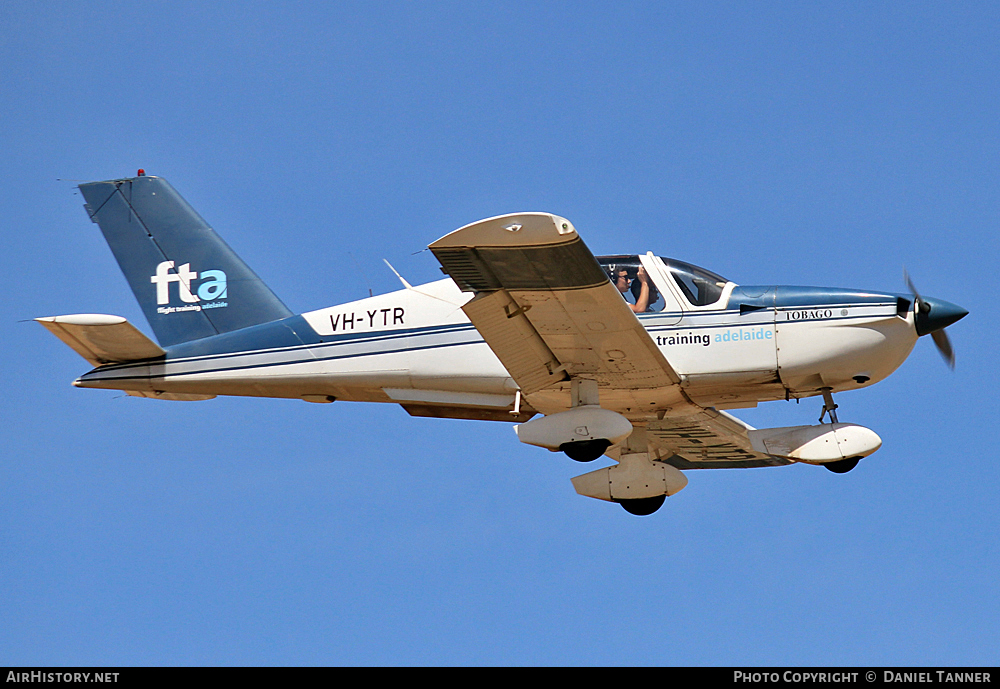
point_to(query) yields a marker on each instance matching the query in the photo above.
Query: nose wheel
(844, 465)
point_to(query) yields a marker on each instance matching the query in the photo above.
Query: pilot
(623, 281)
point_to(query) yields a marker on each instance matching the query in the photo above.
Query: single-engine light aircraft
(633, 357)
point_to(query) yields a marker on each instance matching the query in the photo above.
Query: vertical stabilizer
(188, 281)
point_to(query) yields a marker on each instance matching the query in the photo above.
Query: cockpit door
(669, 311)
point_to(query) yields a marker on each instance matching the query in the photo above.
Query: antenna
(358, 268)
(401, 279)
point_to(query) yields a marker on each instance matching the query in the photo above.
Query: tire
(643, 506)
(585, 450)
(843, 466)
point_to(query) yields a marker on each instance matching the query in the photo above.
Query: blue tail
(189, 283)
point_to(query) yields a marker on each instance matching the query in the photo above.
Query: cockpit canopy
(699, 286)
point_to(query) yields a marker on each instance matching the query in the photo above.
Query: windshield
(623, 271)
(701, 287)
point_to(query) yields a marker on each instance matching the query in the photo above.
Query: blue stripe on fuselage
(295, 336)
(308, 357)
(291, 335)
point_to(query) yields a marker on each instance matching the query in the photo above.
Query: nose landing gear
(828, 406)
(844, 465)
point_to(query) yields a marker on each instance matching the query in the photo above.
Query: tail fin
(189, 283)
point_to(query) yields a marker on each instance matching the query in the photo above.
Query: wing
(548, 311)
(710, 439)
(546, 307)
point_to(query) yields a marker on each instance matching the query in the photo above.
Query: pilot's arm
(642, 301)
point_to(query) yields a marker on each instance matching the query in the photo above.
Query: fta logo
(212, 283)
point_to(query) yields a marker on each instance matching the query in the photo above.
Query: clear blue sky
(796, 143)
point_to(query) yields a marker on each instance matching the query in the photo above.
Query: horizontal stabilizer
(102, 339)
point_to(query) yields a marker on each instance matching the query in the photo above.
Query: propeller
(932, 316)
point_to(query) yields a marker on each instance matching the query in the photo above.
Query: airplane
(634, 357)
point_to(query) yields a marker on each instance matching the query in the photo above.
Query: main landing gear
(585, 450)
(844, 465)
(639, 482)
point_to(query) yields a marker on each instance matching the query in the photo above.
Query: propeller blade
(919, 305)
(925, 321)
(943, 345)
(909, 284)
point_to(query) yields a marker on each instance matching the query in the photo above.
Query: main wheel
(643, 506)
(843, 466)
(585, 450)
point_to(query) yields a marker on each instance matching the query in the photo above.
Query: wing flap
(517, 344)
(102, 339)
(594, 332)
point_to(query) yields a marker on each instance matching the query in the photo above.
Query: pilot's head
(621, 279)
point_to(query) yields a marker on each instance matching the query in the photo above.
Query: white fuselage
(416, 346)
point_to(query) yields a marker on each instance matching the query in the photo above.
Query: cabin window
(623, 271)
(701, 287)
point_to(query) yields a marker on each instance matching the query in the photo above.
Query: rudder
(187, 280)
